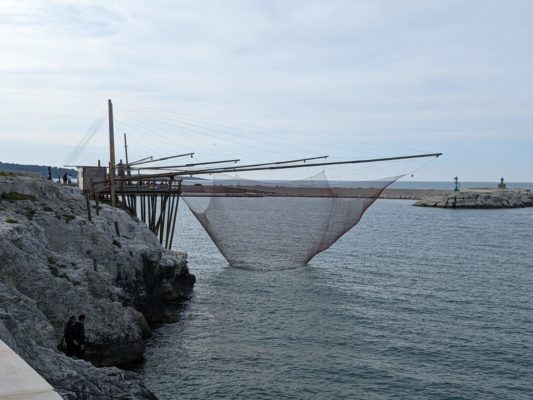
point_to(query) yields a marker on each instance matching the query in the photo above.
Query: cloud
(396, 73)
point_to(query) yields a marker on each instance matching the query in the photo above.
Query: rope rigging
(306, 216)
(157, 133)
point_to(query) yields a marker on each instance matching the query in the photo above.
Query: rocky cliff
(480, 198)
(55, 263)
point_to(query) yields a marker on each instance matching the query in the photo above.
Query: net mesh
(262, 224)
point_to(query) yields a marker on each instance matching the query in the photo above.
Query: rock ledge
(55, 263)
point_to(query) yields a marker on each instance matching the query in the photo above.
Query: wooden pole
(169, 224)
(160, 226)
(122, 175)
(175, 215)
(95, 197)
(87, 202)
(148, 211)
(126, 147)
(210, 171)
(153, 206)
(172, 216)
(161, 223)
(111, 153)
(155, 198)
(143, 209)
(132, 199)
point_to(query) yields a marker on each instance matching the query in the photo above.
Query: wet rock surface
(55, 263)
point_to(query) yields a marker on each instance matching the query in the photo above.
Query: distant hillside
(40, 169)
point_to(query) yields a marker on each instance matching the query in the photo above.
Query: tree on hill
(57, 172)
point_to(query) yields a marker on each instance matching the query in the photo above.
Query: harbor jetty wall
(55, 263)
(479, 198)
(464, 198)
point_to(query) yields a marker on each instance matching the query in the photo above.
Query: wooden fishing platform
(153, 202)
(153, 198)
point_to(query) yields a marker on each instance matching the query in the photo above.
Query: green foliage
(5, 173)
(68, 218)
(15, 196)
(47, 209)
(116, 243)
(11, 221)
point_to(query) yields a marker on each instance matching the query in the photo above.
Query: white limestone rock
(112, 269)
(25, 329)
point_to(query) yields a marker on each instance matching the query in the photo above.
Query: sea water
(413, 303)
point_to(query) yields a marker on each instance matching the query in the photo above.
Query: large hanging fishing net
(257, 224)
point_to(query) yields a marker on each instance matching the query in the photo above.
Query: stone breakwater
(480, 198)
(55, 263)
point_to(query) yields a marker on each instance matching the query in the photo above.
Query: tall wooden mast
(126, 148)
(111, 154)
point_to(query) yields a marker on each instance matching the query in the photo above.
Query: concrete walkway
(18, 381)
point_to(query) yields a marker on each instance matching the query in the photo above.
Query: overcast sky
(356, 78)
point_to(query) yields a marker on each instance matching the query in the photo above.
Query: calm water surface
(412, 303)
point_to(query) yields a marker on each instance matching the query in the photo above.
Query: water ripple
(413, 303)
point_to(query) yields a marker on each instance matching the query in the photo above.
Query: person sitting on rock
(67, 336)
(78, 337)
(65, 179)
